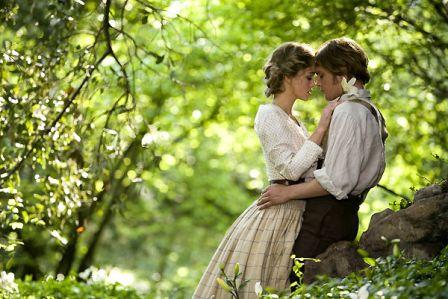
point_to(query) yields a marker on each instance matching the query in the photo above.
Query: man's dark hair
(344, 57)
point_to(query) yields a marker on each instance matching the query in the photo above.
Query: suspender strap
(378, 117)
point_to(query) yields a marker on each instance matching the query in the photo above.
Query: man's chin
(332, 98)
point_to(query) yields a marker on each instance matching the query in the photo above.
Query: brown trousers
(326, 220)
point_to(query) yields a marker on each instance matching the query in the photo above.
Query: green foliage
(71, 289)
(127, 125)
(232, 284)
(299, 262)
(392, 276)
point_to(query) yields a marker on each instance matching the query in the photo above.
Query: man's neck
(359, 84)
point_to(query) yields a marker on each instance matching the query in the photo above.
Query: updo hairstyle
(286, 61)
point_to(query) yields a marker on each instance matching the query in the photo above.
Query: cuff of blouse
(313, 148)
(326, 183)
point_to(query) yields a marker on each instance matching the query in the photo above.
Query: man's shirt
(355, 154)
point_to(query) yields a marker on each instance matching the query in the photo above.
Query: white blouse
(288, 152)
(355, 155)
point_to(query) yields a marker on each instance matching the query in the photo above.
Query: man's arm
(340, 173)
(278, 194)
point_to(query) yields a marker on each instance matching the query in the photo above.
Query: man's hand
(273, 195)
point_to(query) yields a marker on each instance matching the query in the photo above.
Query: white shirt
(355, 155)
(288, 152)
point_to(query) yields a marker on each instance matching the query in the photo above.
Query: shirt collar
(363, 94)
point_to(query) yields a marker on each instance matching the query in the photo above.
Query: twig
(393, 192)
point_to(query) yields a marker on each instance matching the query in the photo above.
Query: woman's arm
(270, 127)
(278, 194)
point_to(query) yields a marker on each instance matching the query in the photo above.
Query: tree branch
(45, 132)
(393, 192)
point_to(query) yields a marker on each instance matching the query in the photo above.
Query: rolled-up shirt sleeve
(343, 159)
(289, 162)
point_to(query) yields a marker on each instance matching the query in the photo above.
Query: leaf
(369, 261)
(9, 264)
(25, 216)
(243, 284)
(362, 252)
(223, 284)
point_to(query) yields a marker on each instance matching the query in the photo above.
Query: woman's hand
(325, 117)
(324, 122)
(273, 195)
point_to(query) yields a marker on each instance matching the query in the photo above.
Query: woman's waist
(291, 205)
(296, 204)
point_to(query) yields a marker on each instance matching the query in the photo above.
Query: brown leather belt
(287, 182)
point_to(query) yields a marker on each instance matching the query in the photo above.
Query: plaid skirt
(261, 242)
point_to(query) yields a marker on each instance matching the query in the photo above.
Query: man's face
(328, 83)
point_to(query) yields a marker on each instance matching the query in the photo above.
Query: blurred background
(126, 126)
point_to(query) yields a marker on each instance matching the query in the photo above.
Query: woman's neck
(284, 101)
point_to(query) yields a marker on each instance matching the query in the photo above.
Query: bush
(68, 288)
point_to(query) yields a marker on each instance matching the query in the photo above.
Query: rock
(428, 192)
(376, 218)
(339, 260)
(422, 229)
(422, 225)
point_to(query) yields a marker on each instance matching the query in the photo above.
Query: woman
(261, 241)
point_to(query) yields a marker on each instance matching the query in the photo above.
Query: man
(354, 160)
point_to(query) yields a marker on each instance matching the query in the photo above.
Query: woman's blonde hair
(286, 61)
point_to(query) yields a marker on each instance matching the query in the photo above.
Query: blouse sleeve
(275, 140)
(343, 159)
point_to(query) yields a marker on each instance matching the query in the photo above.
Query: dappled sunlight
(127, 132)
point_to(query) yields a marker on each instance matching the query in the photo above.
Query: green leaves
(231, 284)
(369, 261)
(365, 257)
(194, 83)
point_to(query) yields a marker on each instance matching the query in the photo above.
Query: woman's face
(302, 83)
